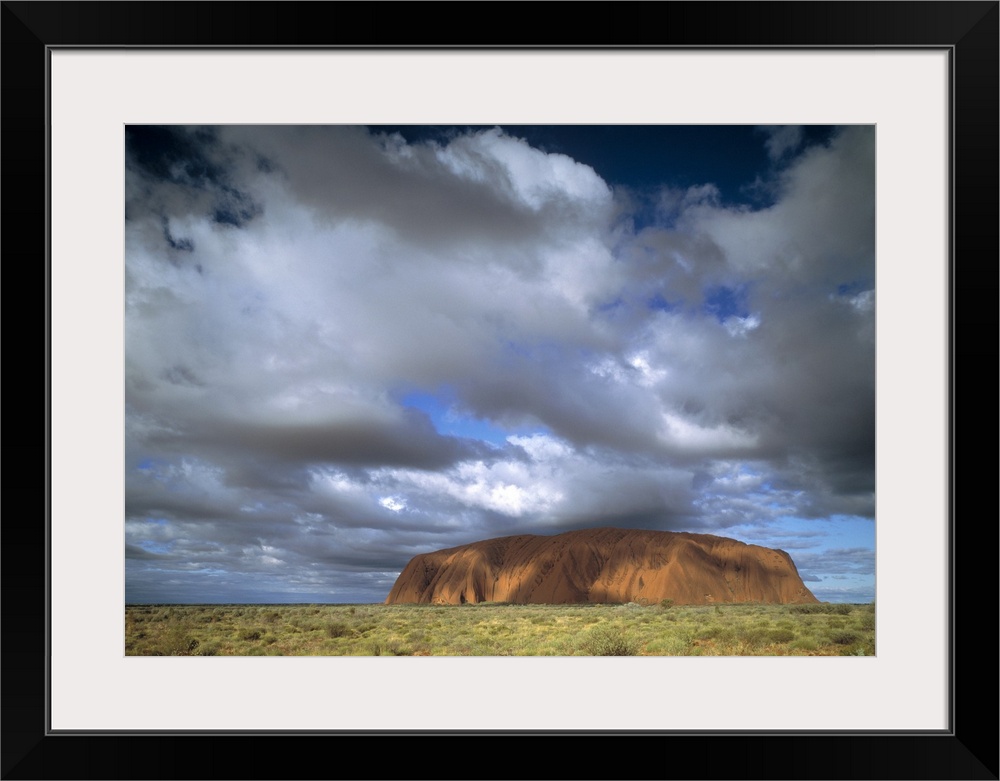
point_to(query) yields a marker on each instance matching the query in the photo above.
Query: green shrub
(844, 638)
(610, 641)
(714, 632)
(830, 608)
(671, 645)
(805, 644)
(781, 635)
(751, 636)
(177, 642)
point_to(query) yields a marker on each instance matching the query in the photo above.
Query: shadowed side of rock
(602, 565)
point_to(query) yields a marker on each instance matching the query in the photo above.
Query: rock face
(602, 565)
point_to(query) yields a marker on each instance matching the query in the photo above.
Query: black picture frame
(967, 750)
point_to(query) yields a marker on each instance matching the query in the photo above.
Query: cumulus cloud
(297, 298)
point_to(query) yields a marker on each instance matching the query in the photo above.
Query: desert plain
(497, 629)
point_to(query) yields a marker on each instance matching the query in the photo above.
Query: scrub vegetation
(498, 629)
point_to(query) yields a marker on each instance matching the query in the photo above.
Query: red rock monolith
(602, 565)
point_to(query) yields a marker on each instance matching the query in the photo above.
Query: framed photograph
(914, 84)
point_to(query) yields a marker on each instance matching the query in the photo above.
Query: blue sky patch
(450, 420)
(725, 302)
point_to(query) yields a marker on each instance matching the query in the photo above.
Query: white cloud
(741, 326)
(542, 447)
(532, 176)
(864, 301)
(392, 503)
(506, 487)
(683, 433)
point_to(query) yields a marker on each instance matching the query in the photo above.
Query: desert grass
(496, 629)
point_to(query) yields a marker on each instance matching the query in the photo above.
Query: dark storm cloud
(316, 315)
(182, 375)
(179, 244)
(173, 154)
(135, 552)
(255, 472)
(234, 208)
(410, 441)
(572, 403)
(464, 193)
(174, 170)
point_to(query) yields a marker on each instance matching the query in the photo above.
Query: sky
(347, 345)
